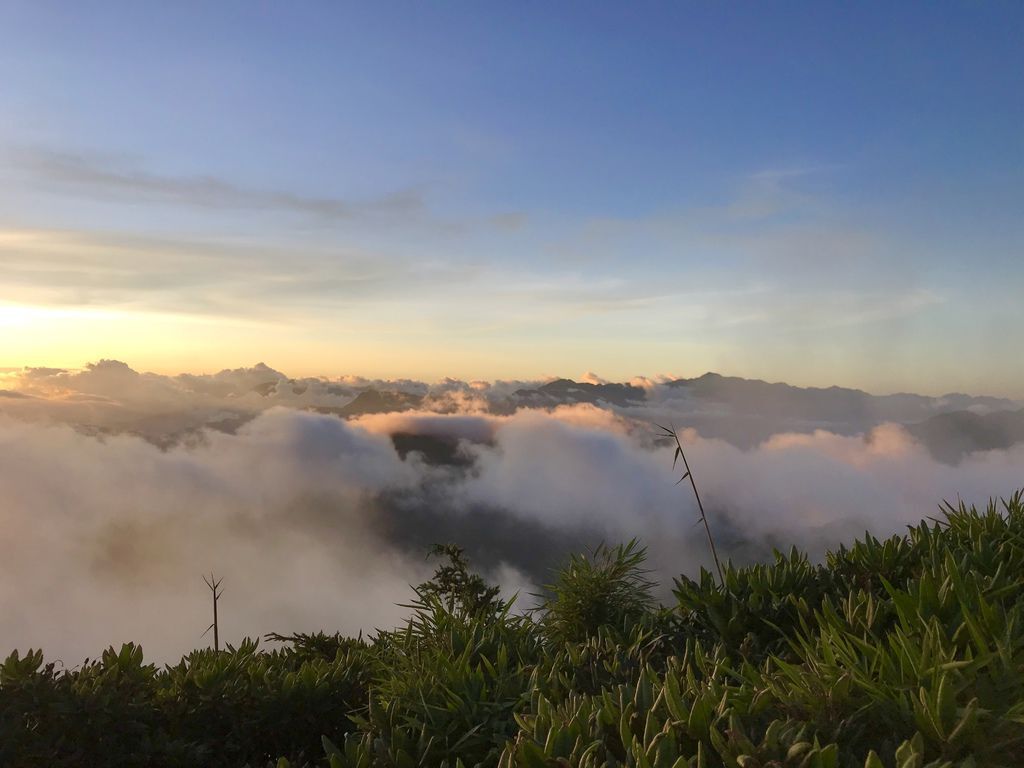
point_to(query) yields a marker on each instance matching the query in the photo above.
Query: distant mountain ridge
(109, 397)
(951, 436)
(565, 391)
(374, 401)
(950, 426)
(746, 412)
(828, 403)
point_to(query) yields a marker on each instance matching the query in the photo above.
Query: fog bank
(317, 522)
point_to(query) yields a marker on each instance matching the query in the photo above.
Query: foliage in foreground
(907, 652)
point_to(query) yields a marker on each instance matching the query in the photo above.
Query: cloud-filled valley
(318, 499)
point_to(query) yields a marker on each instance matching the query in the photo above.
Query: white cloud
(316, 522)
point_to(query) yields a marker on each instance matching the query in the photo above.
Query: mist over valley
(318, 499)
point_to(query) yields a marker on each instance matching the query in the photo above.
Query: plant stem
(681, 454)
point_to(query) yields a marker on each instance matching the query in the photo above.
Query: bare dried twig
(214, 585)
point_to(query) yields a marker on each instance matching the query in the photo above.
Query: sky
(821, 193)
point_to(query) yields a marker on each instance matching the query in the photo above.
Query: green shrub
(919, 664)
(610, 589)
(905, 653)
(230, 708)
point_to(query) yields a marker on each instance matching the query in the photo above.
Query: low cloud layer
(122, 488)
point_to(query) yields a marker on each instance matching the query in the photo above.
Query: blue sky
(815, 192)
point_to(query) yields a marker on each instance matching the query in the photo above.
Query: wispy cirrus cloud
(204, 275)
(120, 178)
(285, 282)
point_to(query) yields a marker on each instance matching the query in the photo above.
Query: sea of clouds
(121, 489)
